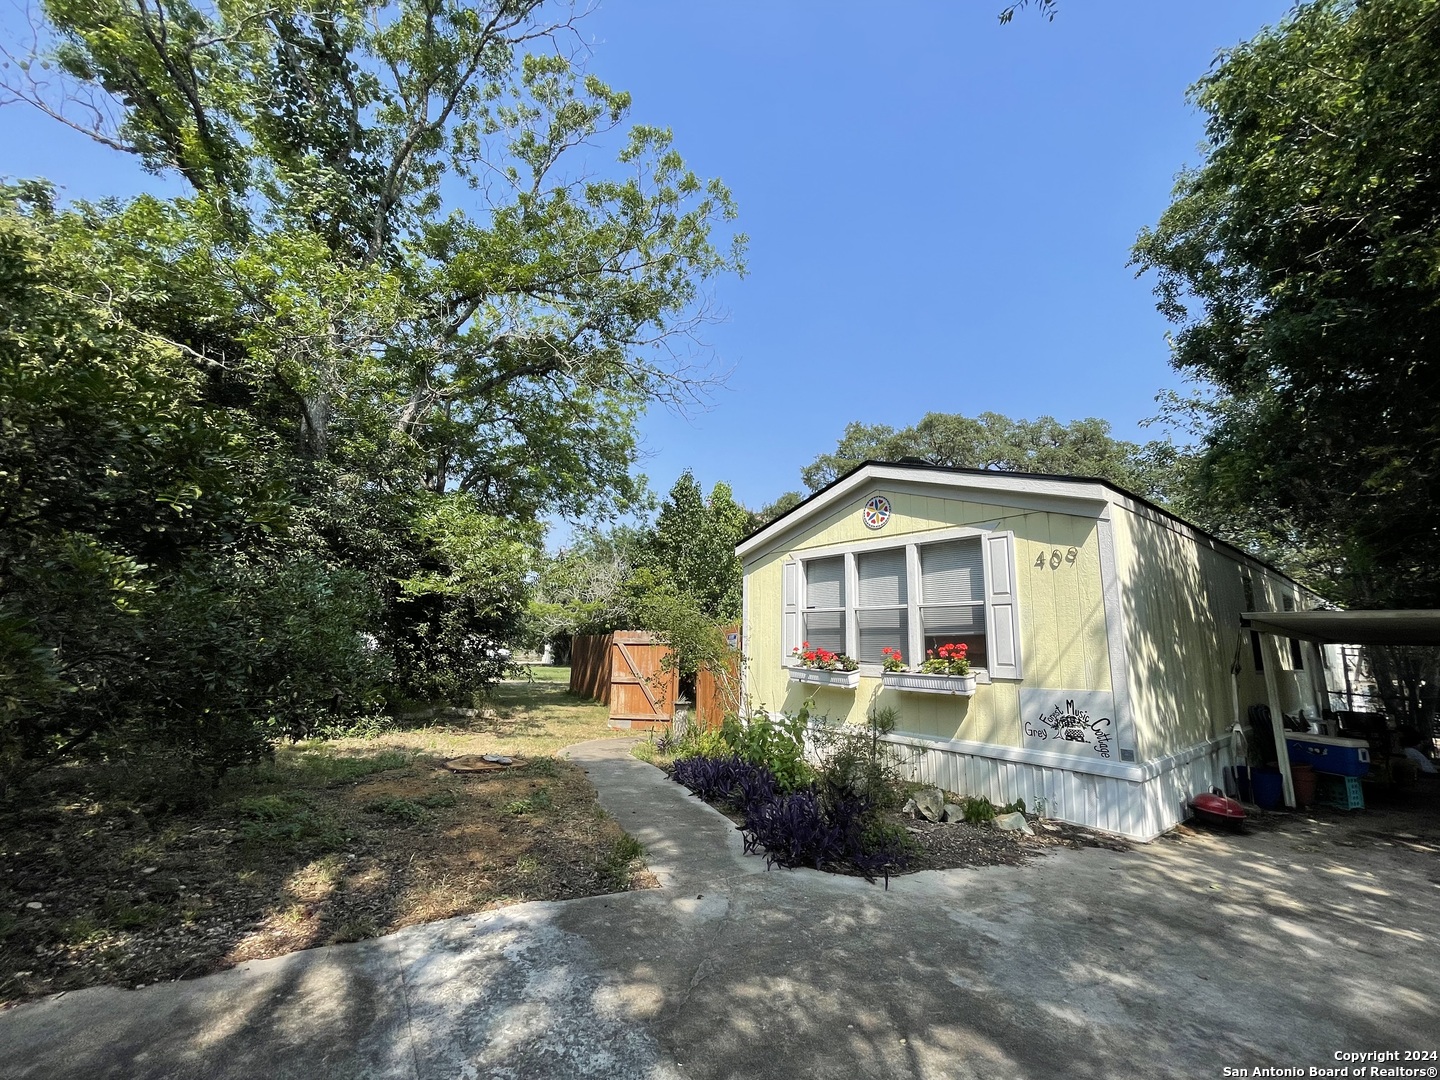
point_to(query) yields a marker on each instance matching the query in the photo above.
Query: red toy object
(1216, 809)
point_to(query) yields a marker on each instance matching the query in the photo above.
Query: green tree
(694, 543)
(140, 590)
(993, 441)
(783, 504)
(1299, 263)
(393, 320)
(585, 587)
(508, 338)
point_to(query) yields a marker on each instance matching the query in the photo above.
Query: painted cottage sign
(1069, 721)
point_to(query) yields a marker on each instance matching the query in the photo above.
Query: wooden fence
(590, 666)
(627, 671)
(718, 694)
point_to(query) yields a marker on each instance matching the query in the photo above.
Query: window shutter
(1004, 633)
(790, 635)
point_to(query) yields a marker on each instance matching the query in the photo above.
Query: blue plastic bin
(1269, 788)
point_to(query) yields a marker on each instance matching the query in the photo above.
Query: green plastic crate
(1341, 792)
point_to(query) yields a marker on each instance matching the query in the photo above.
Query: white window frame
(914, 588)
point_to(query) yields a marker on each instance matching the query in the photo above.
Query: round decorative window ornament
(876, 512)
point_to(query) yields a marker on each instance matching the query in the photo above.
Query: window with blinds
(882, 613)
(911, 598)
(952, 596)
(824, 616)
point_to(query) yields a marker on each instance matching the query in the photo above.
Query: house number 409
(1055, 558)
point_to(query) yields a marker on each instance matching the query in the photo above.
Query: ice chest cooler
(1325, 753)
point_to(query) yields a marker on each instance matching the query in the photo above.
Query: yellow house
(1104, 634)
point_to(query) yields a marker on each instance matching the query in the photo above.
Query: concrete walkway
(1178, 959)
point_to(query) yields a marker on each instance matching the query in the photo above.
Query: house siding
(1146, 609)
(1061, 611)
(1182, 601)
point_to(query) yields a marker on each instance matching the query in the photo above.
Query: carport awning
(1418, 627)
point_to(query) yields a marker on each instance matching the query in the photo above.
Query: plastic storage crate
(1341, 792)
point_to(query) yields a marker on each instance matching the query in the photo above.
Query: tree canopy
(286, 439)
(385, 198)
(1299, 262)
(679, 577)
(993, 441)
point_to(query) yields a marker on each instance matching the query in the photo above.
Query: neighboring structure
(1105, 633)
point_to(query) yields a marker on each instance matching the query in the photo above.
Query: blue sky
(940, 208)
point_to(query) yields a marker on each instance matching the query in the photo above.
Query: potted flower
(946, 670)
(823, 667)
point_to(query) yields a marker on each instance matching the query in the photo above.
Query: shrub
(727, 781)
(701, 742)
(853, 760)
(812, 826)
(777, 745)
(793, 830)
(978, 810)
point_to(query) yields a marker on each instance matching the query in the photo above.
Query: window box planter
(843, 680)
(917, 682)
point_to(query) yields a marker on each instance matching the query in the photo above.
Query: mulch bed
(954, 846)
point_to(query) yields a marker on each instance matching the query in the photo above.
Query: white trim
(896, 540)
(1022, 492)
(743, 703)
(839, 680)
(1160, 766)
(1066, 492)
(994, 751)
(911, 543)
(1139, 802)
(1119, 770)
(917, 682)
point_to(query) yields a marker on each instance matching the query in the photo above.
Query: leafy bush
(726, 781)
(702, 742)
(777, 745)
(794, 830)
(855, 761)
(978, 809)
(815, 825)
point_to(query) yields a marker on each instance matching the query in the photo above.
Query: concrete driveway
(1181, 958)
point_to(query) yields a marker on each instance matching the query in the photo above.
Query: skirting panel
(1135, 809)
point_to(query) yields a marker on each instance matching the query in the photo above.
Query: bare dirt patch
(122, 873)
(955, 845)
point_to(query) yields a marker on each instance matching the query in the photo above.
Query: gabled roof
(1090, 489)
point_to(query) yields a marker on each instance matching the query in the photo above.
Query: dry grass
(141, 877)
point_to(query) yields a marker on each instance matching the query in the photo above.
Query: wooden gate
(717, 694)
(642, 688)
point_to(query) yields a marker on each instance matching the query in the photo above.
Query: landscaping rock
(954, 812)
(1014, 823)
(910, 809)
(930, 803)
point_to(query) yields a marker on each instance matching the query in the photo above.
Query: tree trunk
(316, 410)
